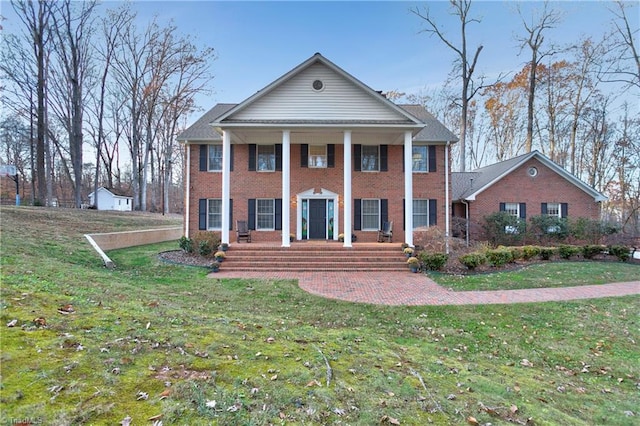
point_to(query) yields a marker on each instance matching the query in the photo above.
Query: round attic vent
(318, 85)
(532, 171)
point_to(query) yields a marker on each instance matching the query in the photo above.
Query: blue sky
(377, 42)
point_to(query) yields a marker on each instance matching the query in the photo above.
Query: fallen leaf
(390, 420)
(126, 421)
(66, 309)
(314, 383)
(40, 322)
(472, 421)
(526, 363)
(156, 417)
(12, 323)
(270, 340)
(165, 393)
(513, 409)
(274, 377)
(211, 404)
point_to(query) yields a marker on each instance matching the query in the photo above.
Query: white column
(286, 190)
(226, 185)
(187, 195)
(408, 188)
(348, 214)
(446, 199)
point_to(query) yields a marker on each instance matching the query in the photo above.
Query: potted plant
(223, 247)
(341, 238)
(408, 251)
(292, 238)
(404, 246)
(215, 266)
(414, 264)
(220, 255)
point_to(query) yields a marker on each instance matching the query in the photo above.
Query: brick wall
(518, 187)
(250, 184)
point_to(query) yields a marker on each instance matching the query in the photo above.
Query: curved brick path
(395, 288)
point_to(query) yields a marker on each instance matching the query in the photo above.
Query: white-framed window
(265, 214)
(420, 213)
(317, 156)
(554, 209)
(214, 157)
(266, 156)
(420, 158)
(370, 215)
(214, 213)
(370, 158)
(514, 210)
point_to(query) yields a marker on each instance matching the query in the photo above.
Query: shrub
(499, 257)
(504, 228)
(529, 252)
(546, 252)
(549, 227)
(590, 230)
(433, 261)
(565, 251)
(186, 244)
(589, 251)
(473, 260)
(621, 252)
(206, 242)
(516, 253)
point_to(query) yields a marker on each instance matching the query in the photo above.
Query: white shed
(111, 199)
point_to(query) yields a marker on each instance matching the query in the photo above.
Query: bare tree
(72, 31)
(534, 40)
(465, 64)
(624, 58)
(36, 19)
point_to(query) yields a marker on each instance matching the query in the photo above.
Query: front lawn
(542, 275)
(150, 341)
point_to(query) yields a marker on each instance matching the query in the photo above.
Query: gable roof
(112, 191)
(467, 185)
(434, 131)
(394, 115)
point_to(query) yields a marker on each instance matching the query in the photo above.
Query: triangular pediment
(317, 91)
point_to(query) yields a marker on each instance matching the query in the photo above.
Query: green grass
(543, 275)
(257, 348)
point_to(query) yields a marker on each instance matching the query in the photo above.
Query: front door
(317, 219)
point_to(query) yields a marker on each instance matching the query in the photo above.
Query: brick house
(527, 185)
(316, 154)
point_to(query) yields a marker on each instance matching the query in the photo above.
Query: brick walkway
(417, 289)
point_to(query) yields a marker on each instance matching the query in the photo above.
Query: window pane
(512, 208)
(370, 214)
(265, 214)
(215, 157)
(420, 213)
(419, 158)
(317, 156)
(370, 158)
(215, 214)
(553, 209)
(266, 157)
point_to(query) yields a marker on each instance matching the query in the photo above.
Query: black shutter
(203, 157)
(384, 211)
(432, 158)
(279, 156)
(230, 214)
(252, 214)
(503, 207)
(202, 214)
(231, 158)
(331, 155)
(252, 157)
(433, 212)
(304, 155)
(564, 210)
(543, 208)
(278, 215)
(357, 158)
(384, 155)
(523, 210)
(357, 214)
(404, 220)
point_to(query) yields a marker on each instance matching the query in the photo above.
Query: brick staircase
(317, 256)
